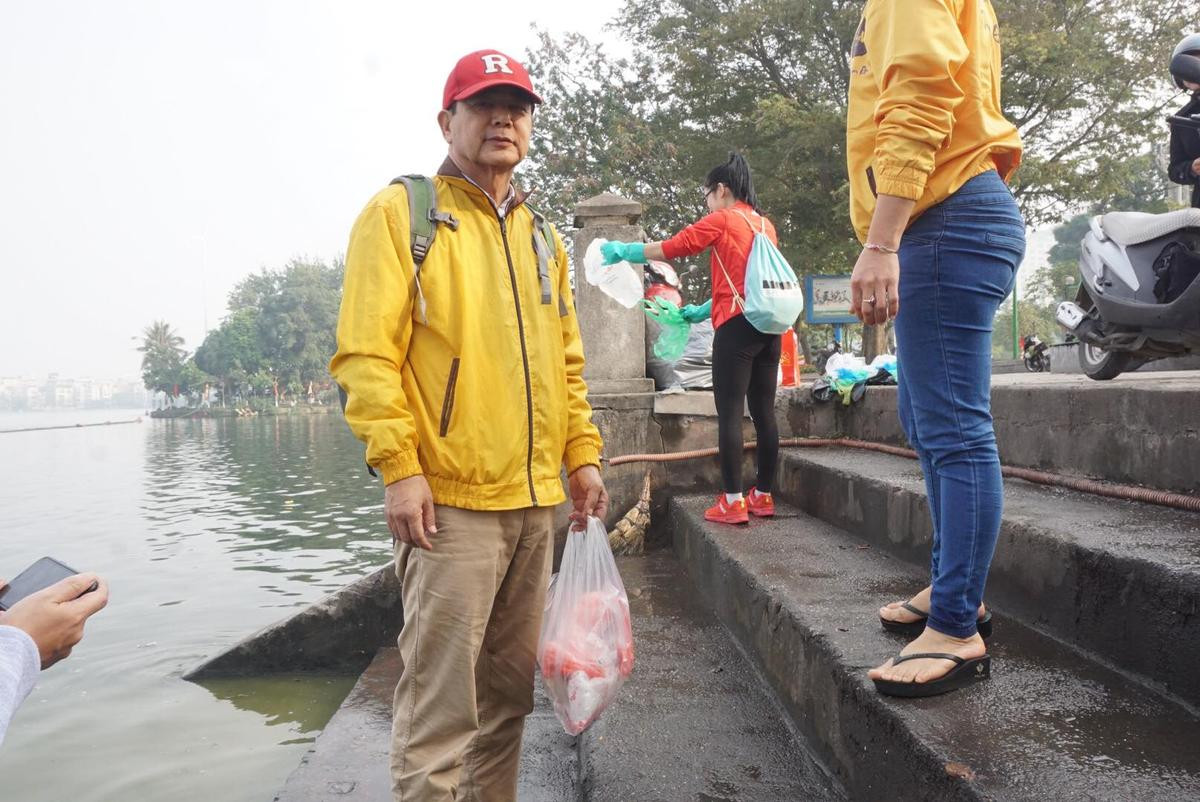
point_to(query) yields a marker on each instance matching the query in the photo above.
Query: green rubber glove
(694, 314)
(633, 252)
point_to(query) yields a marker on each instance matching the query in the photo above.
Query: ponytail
(735, 174)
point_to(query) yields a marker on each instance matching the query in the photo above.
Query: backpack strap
(738, 301)
(423, 220)
(543, 246)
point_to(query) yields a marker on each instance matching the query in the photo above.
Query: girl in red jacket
(745, 361)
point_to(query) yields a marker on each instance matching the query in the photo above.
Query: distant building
(93, 393)
(20, 393)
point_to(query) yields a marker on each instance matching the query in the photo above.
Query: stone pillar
(613, 336)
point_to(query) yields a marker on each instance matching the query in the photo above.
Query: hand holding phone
(54, 616)
(39, 576)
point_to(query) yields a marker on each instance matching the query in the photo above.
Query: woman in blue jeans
(929, 151)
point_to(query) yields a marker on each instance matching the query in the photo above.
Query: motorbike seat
(1133, 228)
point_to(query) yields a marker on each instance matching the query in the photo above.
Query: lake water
(207, 530)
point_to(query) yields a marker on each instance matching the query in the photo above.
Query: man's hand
(54, 617)
(874, 287)
(588, 495)
(1196, 168)
(408, 504)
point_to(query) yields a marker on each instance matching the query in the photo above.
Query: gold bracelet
(871, 246)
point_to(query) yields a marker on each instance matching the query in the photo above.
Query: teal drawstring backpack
(774, 298)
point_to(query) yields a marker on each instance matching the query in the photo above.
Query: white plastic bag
(619, 281)
(886, 362)
(585, 651)
(848, 368)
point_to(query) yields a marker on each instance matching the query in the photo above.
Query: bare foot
(896, 611)
(929, 669)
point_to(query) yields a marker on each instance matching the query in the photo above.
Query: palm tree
(162, 355)
(160, 339)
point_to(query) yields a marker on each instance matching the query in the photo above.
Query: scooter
(1138, 298)
(1036, 354)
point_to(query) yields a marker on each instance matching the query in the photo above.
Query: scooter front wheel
(1102, 365)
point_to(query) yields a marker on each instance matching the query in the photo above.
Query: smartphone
(42, 574)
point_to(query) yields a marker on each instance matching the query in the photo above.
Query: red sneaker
(725, 512)
(760, 504)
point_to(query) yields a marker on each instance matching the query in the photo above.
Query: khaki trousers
(472, 613)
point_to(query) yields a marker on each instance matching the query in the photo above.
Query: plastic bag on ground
(844, 372)
(585, 651)
(887, 369)
(694, 368)
(619, 282)
(673, 329)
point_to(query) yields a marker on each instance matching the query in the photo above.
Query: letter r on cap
(494, 62)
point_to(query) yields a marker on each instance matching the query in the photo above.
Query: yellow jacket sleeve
(583, 438)
(915, 49)
(373, 334)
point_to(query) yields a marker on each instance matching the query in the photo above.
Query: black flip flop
(965, 672)
(911, 629)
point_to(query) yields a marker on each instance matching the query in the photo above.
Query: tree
(232, 352)
(162, 356)
(705, 82)
(1083, 81)
(1033, 318)
(280, 331)
(297, 323)
(191, 379)
(1085, 84)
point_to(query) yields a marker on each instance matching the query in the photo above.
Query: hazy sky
(153, 153)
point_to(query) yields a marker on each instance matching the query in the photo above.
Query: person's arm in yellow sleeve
(915, 49)
(374, 328)
(582, 457)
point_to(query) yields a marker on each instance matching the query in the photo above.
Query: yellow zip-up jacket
(924, 108)
(484, 393)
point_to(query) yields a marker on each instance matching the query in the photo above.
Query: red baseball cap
(482, 70)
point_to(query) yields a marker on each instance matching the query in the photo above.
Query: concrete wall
(1134, 434)
(613, 336)
(340, 633)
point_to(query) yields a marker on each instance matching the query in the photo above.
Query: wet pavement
(694, 723)
(350, 758)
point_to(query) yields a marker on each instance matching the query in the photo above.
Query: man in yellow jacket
(929, 152)
(464, 379)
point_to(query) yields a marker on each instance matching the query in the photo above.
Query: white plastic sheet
(619, 281)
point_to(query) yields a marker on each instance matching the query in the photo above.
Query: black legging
(745, 368)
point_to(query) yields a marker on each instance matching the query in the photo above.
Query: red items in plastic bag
(586, 647)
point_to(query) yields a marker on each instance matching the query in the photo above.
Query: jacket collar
(451, 170)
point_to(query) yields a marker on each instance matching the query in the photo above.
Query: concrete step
(1118, 579)
(695, 721)
(801, 596)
